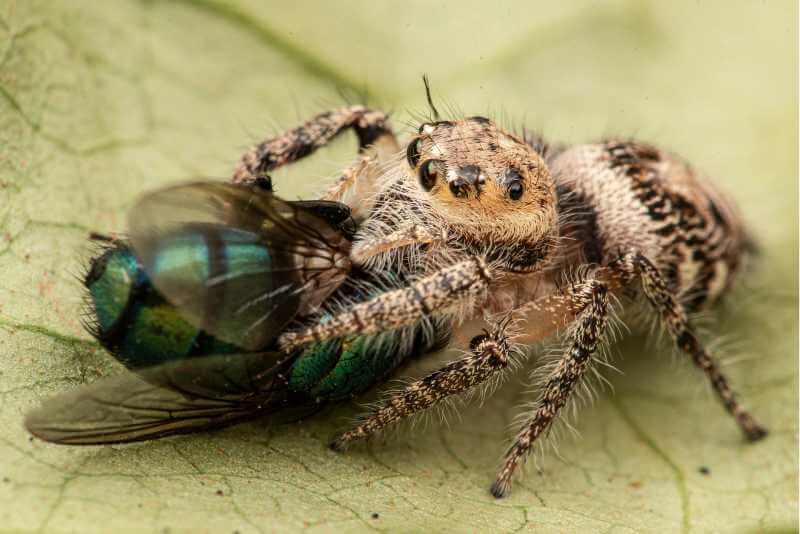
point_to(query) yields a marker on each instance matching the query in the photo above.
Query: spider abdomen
(642, 199)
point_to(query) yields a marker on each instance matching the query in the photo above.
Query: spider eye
(514, 184)
(412, 153)
(515, 190)
(429, 173)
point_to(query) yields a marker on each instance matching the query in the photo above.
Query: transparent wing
(239, 263)
(170, 399)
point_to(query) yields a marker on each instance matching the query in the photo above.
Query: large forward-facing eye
(412, 153)
(513, 182)
(429, 173)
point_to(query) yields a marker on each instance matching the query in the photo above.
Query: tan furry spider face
(483, 179)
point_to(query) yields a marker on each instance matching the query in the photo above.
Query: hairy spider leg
(435, 293)
(592, 297)
(675, 319)
(412, 234)
(489, 354)
(350, 177)
(371, 127)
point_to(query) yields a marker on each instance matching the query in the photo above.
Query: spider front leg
(414, 234)
(371, 127)
(489, 354)
(357, 186)
(350, 178)
(591, 298)
(439, 292)
(675, 319)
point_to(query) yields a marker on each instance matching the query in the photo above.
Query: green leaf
(101, 101)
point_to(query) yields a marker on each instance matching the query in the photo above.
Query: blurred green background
(100, 101)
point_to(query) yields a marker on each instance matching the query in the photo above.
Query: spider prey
(466, 221)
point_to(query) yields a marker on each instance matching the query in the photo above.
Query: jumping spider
(480, 219)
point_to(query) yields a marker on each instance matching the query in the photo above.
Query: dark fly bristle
(88, 314)
(89, 323)
(97, 264)
(101, 250)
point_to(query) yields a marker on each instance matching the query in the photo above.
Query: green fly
(193, 304)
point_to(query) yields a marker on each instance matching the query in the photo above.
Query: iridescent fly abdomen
(132, 320)
(141, 328)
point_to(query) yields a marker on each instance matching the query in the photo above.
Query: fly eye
(429, 173)
(412, 153)
(514, 185)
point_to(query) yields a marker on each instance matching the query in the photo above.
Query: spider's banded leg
(402, 237)
(592, 297)
(489, 354)
(371, 127)
(441, 291)
(674, 318)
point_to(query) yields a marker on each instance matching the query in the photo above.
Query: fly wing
(169, 399)
(240, 263)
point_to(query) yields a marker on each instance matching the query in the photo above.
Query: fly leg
(489, 354)
(371, 127)
(591, 297)
(439, 292)
(674, 318)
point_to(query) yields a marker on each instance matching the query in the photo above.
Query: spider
(544, 239)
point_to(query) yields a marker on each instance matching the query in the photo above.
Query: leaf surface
(102, 101)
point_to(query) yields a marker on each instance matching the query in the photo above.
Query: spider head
(483, 180)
